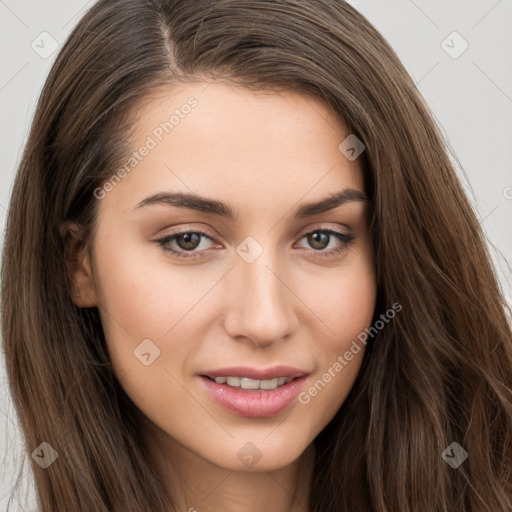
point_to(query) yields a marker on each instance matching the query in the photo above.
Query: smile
(253, 392)
(248, 383)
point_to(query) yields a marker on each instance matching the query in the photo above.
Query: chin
(267, 450)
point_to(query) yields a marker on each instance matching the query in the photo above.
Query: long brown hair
(440, 372)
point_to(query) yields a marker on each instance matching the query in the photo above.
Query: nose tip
(261, 307)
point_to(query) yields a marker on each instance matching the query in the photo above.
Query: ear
(79, 265)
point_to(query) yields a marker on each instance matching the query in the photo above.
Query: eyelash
(344, 238)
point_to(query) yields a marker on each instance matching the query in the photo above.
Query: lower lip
(256, 403)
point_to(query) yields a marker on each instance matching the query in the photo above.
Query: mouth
(254, 384)
(254, 393)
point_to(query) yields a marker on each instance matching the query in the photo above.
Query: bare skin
(298, 303)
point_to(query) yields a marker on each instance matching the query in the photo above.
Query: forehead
(225, 141)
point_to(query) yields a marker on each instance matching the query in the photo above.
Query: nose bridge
(261, 306)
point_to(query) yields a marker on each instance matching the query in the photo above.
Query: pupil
(191, 241)
(318, 240)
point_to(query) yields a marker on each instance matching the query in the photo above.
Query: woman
(240, 274)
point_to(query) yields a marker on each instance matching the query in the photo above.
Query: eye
(320, 239)
(187, 243)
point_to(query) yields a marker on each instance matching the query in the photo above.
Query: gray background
(470, 93)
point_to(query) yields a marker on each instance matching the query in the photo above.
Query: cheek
(151, 327)
(353, 302)
(344, 301)
(142, 295)
(152, 307)
(140, 300)
(346, 306)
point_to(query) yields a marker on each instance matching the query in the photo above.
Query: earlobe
(79, 265)
(85, 294)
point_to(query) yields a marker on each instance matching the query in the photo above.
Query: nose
(261, 302)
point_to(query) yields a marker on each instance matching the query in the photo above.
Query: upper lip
(256, 373)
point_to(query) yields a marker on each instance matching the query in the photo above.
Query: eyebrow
(212, 206)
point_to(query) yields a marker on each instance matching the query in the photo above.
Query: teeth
(233, 381)
(247, 383)
(270, 384)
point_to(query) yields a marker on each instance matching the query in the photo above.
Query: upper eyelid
(301, 234)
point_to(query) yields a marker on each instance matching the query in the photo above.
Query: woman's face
(261, 290)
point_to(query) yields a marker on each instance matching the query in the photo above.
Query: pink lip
(255, 403)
